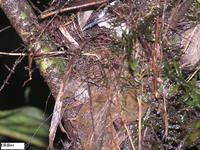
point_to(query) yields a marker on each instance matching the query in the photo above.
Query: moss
(47, 63)
(46, 49)
(23, 16)
(59, 64)
(44, 65)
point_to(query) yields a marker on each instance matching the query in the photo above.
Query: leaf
(133, 64)
(55, 121)
(129, 106)
(25, 124)
(68, 36)
(83, 17)
(198, 1)
(173, 90)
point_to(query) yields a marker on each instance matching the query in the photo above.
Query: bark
(24, 21)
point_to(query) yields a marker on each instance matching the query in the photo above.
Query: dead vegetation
(129, 86)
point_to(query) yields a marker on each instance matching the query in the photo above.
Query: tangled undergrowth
(145, 57)
(132, 82)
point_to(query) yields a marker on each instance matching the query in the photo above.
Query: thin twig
(81, 5)
(165, 118)
(36, 131)
(34, 7)
(19, 59)
(37, 54)
(57, 112)
(90, 54)
(139, 124)
(50, 21)
(5, 28)
(13, 54)
(129, 136)
(193, 74)
(91, 109)
(155, 52)
(190, 38)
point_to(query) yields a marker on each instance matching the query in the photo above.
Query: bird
(102, 17)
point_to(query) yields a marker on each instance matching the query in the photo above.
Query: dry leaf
(191, 52)
(67, 35)
(83, 18)
(130, 107)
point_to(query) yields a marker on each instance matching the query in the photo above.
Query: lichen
(23, 16)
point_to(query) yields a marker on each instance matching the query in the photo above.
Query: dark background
(14, 95)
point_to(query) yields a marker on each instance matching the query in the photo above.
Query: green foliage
(25, 124)
(129, 43)
(194, 134)
(129, 39)
(190, 93)
(173, 89)
(146, 29)
(133, 64)
(117, 43)
(126, 42)
(195, 13)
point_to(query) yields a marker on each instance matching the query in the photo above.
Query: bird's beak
(100, 18)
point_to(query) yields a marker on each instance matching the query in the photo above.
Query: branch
(23, 20)
(41, 54)
(79, 5)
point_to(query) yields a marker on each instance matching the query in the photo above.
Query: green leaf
(173, 90)
(133, 64)
(198, 1)
(25, 124)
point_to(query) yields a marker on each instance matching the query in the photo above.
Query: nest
(122, 67)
